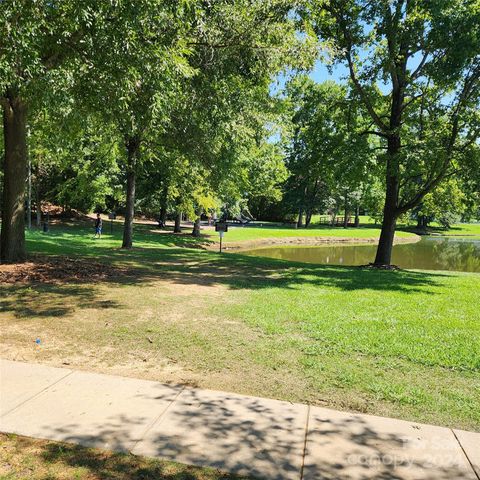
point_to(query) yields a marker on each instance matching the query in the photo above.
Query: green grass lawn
(239, 233)
(462, 229)
(367, 230)
(396, 343)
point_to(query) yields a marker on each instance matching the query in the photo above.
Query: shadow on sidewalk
(265, 439)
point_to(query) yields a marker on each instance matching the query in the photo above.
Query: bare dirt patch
(58, 270)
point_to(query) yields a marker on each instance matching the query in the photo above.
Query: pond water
(430, 253)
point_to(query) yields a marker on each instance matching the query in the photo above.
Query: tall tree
(327, 155)
(236, 48)
(39, 41)
(183, 72)
(416, 67)
(138, 63)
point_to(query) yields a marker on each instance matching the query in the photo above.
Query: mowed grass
(262, 231)
(396, 343)
(368, 229)
(23, 457)
(462, 229)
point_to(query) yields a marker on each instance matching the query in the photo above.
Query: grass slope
(402, 343)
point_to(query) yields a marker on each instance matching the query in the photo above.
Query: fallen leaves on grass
(58, 270)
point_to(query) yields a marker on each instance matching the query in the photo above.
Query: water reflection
(431, 253)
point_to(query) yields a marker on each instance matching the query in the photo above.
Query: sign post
(221, 228)
(221, 238)
(112, 216)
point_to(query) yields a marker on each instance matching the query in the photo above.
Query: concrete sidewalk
(247, 435)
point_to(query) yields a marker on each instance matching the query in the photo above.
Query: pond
(430, 253)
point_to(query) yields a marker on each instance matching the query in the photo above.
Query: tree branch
(361, 91)
(351, 66)
(418, 70)
(374, 132)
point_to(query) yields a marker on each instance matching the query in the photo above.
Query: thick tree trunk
(178, 220)
(133, 145)
(308, 218)
(387, 235)
(390, 210)
(345, 218)
(12, 245)
(163, 215)
(300, 218)
(196, 224)
(357, 216)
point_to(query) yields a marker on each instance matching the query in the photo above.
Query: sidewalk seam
(36, 394)
(156, 420)
(465, 453)
(307, 423)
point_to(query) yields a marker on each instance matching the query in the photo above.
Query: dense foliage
(167, 109)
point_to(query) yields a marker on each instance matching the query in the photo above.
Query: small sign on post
(221, 228)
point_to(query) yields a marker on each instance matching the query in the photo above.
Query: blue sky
(319, 73)
(340, 72)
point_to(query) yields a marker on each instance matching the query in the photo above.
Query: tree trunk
(12, 245)
(422, 223)
(345, 218)
(133, 144)
(357, 216)
(385, 244)
(308, 218)
(334, 217)
(196, 224)
(390, 210)
(300, 218)
(163, 206)
(178, 220)
(163, 215)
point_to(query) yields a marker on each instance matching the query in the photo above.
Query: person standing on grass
(98, 226)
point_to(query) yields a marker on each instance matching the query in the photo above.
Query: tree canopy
(167, 108)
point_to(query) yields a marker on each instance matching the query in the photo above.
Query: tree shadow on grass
(104, 465)
(237, 271)
(47, 300)
(165, 256)
(75, 239)
(142, 266)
